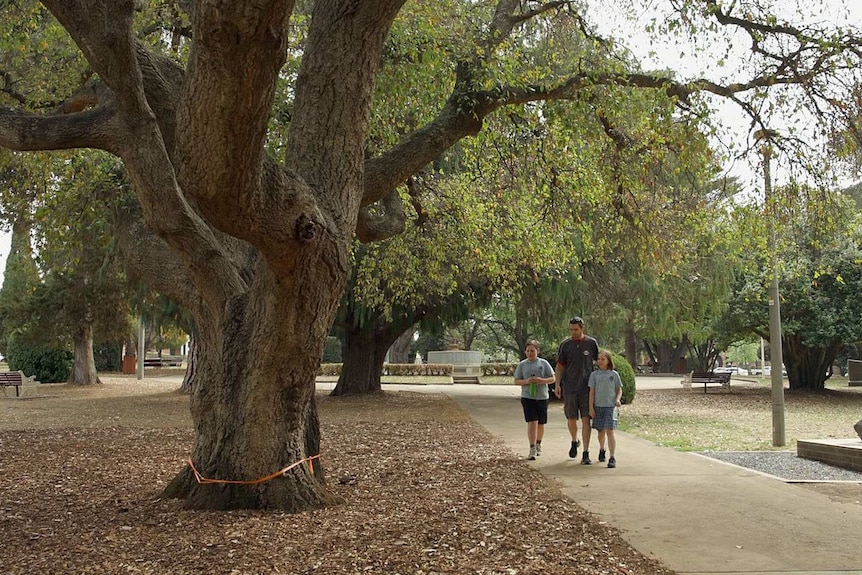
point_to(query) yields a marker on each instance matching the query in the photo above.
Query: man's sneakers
(538, 448)
(573, 450)
(585, 459)
(601, 455)
(532, 455)
(612, 462)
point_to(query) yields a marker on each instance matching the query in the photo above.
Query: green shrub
(627, 375)
(107, 357)
(48, 365)
(332, 350)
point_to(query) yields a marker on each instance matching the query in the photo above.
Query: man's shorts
(576, 405)
(535, 410)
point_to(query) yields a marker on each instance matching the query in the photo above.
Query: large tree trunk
(256, 414)
(84, 366)
(191, 368)
(399, 351)
(807, 367)
(365, 349)
(364, 353)
(665, 354)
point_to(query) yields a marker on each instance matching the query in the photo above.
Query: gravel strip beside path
(786, 465)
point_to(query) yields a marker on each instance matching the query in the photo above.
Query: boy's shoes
(532, 453)
(601, 455)
(585, 459)
(538, 449)
(573, 450)
(612, 462)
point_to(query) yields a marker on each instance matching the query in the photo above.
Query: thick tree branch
(95, 128)
(385, 221)
(227, 100)
(463, 114)
(102, 30)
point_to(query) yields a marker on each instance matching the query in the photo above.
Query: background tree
(21, 275)
(820, 278)
(84, 292)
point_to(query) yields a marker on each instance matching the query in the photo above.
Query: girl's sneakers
(601, 455)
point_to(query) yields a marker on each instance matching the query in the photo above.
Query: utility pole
(775, 352)
(142, 347)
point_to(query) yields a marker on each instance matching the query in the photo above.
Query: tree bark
(807, 366)
(364, 354)
(400, 348)
(84, 366)
(190, 376)
(665, 354)
(256, 414)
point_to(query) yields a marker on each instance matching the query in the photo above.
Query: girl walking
(606, 392)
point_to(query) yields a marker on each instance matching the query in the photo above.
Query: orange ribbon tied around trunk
(201, 479)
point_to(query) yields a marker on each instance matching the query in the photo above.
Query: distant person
(533, 375)
(606, 393)
(575, 363)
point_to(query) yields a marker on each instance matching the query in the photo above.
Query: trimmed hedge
(334, 369)
(499, 369)
(329, 369)
(417, 369)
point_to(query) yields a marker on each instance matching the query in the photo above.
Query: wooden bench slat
(9, 378)
(706, 377)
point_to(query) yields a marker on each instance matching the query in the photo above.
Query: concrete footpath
(695, 514)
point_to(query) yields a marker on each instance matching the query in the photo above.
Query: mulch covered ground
(425, 490)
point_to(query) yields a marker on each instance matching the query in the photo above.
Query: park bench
(169, 361)
(9, 378)
(707, 377)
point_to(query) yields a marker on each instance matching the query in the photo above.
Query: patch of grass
(683, 432)
(740, 420)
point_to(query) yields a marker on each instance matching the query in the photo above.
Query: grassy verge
(741, 419)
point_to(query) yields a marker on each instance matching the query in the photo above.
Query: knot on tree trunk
(306, 229)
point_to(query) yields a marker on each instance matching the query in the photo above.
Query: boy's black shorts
(535, 410)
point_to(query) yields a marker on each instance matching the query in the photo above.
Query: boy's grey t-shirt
(606, 382)
(539, 368)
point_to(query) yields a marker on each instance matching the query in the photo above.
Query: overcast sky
(698, 60)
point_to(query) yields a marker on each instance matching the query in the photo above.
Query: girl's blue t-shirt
(539, 368)
(606, 383)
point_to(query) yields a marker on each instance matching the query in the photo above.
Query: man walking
(575, 362)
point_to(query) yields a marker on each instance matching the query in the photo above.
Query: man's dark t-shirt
(578, 357)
